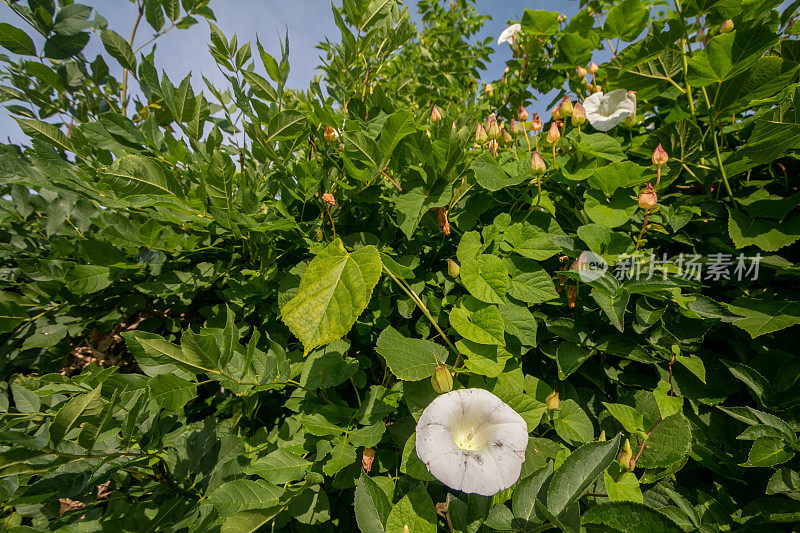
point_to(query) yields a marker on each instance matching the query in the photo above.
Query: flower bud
(505, 137)
(626, 456)
(602, 437)
(581, 72)
(442, 219)
(367, 457)
(537, 164)
(522, 114)
(514, 128)
(631, 121)
(435, 114)
(726, 27)
(578, 114)
(648, 198)
(493, 146)
(660, 157)
(593, 68)
(566, 107)
(453, 269)
(536, 123)
(480, 135)
(552, 401)
(572, 295)
(442, 380)
(492, 128)
(562, 17)
(556, 113)
(328, 199)
(330, 134)
(554, 134)
(489, 90)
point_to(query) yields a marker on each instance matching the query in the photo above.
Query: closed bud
(660, 157)
(631, 121)
(554, 134)
(581, 72)
(514, 128)
(435, 114)
(489, 90)
(453, 269)
(505, 137)
(602, 437)
(626, 456)
(493, 146)
(330, 134)
(405, 529)
(556, 113)
(562, 17)
(537, 164)
(578, 114)
(648, 198)
(566, 107)
(442, 380)
(552, 401)
(492, 128)
(572, 295)
(480, 135)
(522, 114)
(726, 27)
(536, 122)
(593, 68)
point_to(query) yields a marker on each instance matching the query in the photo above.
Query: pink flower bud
(537, 164)
(435, 114)
(660, 157)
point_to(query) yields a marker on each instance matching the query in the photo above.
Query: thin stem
(125, 71)
(411, 294)
(713, 127)
(644, 229)
(641, 446)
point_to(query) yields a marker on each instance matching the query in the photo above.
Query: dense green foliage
(221, 310)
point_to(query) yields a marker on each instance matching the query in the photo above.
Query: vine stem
(644, 229)
(125, 71)
(413, 295)
(713, 128)
(641, 446)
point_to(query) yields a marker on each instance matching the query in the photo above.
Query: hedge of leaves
(221, 309)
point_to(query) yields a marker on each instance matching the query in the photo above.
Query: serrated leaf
(333, 292)
(371, 505)
(119, 49)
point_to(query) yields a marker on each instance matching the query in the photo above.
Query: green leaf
(372, 506)
(769, 451)
(397, 126)
(150, 350)
(409, 359)
(768, 235)
(279, 467)
(527, 491)
(520, 323)
(726, 55)
(617, 175)
(87, 279)
(136, 175)
(490, 175)
(610, 212)
(612, 304)
(762, 317)
(478, 322)
(624, 489)
(570, 357)
(44, 132)
(171, 392)
(333, 292)
(627, 20)
(577, 472)
(667, 405)
(629, 517)
(486, 278)
(539, 22)
(694, 365)
(15, 40)
(11, 314)
(414, 510)
(572, 423)
(69, 414)
(530, 283)
(119, 49)
(630, 418)
(243, 494)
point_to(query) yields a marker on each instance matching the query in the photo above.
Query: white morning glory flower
(510, 35)
(604, 111)
(471, 441)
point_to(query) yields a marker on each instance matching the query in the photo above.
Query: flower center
(469, 439)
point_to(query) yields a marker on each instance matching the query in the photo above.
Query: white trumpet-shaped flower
(510, 35)
(604, 111)
(471, 441)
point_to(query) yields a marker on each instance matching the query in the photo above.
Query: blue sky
(307, 21)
